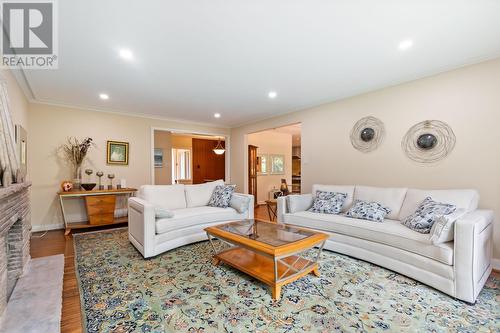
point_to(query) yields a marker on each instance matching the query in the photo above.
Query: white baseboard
(46, 227)
(495, 263)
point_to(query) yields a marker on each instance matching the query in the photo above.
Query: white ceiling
(195, 58)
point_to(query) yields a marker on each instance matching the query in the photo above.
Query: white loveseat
(458, 268)
(188, 203)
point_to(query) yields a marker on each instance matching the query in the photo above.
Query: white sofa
(152, 236)
(458, 268)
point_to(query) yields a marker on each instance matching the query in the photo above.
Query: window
(182, 163)
(262, 164)
(277, 164)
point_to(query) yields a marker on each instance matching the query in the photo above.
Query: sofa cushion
(165, 196)
(466, 199)
(389, 197)
(347, 189)
(426, 214)
(390, 232)
(200, 194)
(196, 215)
(239, 202)
(299, 202)
(328, 202)
(161, 213)
(443, 230)
(221, 196)
(371, 211)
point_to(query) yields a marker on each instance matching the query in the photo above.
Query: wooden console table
(100, 205)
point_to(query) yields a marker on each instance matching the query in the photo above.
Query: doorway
(188, 158)
(274, 162)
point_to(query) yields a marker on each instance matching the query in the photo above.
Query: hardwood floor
(260, 212)
(54, 242)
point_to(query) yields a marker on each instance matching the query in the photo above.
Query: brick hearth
(15, 231)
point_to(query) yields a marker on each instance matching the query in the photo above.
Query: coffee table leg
(315, 271)
(276, 292)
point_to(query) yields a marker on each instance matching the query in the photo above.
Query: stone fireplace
(15, 230)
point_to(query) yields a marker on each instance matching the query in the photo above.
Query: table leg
(276, 292)
(269, 212)
(67, 231)
(315, 271)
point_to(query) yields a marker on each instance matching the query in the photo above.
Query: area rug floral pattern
(181, 291)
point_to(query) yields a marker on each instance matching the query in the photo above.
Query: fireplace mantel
(15, 230)
(12, 189)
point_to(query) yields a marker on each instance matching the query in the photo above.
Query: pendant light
(219, 150)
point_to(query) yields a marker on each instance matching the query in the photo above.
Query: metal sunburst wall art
(367, 134)
(428, 141)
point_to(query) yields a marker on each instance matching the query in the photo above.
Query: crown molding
(126, 114)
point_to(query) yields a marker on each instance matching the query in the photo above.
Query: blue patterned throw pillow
(426, 214)
(221, 197)
(328, 202)
(371, 211)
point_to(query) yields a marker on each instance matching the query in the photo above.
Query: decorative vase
(77, 177)
(284, 187)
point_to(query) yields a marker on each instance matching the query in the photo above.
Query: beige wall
(182, 142)
(271, 142)
(468, 99)
(49, 126)
(163, 141)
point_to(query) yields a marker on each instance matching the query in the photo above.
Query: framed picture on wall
(117, 152)
(158, 155)
(277, 164)
(21, 137)
(262, 162)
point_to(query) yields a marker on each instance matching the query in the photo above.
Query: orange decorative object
(66, 186)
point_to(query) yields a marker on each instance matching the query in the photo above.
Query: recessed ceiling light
(405, 44)
(104, 96)
(272, 94)
(126, 54)
(217, 115)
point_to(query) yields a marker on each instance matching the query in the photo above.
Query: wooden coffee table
(276, 254)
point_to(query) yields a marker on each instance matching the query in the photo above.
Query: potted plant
(75, 151)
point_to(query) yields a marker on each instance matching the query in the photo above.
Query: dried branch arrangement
(76, 150)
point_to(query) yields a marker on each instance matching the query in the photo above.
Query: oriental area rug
(181, 291)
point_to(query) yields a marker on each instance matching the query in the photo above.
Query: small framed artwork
(262, 161)
(117, 152)
(277, 164)
(21, 137)
(158, 155)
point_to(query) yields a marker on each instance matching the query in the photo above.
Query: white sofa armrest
(141, 225)
(250, 209)
(472, 255)
(293, 203)
(282, 209)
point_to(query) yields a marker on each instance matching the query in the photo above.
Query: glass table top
(274, 234)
